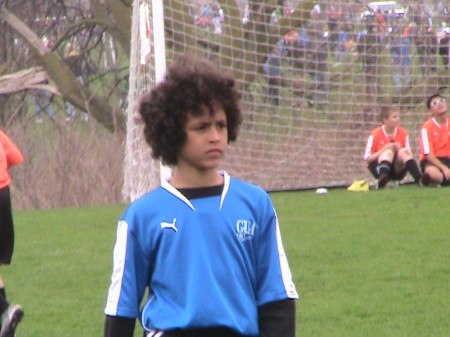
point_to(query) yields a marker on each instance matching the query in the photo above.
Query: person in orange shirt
(380, 20)
(435, 142)
(10, 155)
(388, 153)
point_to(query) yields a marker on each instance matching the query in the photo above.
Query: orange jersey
(10, 155)
(378, 139)
(435, 139)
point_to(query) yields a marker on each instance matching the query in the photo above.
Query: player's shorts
(425, 163)
(393, 175)
(445, 160)
(6, 227)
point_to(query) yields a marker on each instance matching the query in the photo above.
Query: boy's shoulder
(150, 199)
(428, 122)
(250, 189)
(377, 129)
(401, 129)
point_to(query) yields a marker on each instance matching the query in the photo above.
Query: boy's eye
(221, 125)
(198, 126)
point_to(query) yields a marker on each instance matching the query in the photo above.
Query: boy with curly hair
(206, 246)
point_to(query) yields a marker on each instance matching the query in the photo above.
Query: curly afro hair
(189, 84)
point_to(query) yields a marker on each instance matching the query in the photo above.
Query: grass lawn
(365, 264)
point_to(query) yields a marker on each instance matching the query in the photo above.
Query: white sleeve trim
(368, 151)
(120, 248)
(285, 271)
(226, 186)
(407, 145)
(425, 142)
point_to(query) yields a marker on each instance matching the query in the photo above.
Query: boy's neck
(441, 119)
(196, 179)
(389, 130)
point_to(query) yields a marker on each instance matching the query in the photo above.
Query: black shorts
(445, 160)
(392, 174)
(6, 227)
(424, 163)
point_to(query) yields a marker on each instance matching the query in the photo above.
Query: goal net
(313, 76)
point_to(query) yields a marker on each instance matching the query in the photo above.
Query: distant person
(43, 98)
(272, 70)
(369, 50)
(74, 61)
(10, 155)
(317, 53)
(426, 44)
(43, 103)
(435, 142)
(206, 246)
(217, 17)
(381, 21)
(400, 45)
(342, 48)
(444, 43)
(388, 153)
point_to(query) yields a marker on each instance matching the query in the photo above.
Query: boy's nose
(214, 134)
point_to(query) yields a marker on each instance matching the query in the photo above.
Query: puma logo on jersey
(170, 225)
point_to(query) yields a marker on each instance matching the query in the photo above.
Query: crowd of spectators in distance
(336, 35)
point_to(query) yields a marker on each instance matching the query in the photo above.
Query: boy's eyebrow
(198, 122)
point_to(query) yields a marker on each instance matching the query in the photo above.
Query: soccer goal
(313, 77)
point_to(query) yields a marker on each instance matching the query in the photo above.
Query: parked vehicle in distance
(385, 7)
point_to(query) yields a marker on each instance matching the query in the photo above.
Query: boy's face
(438, 106)
(206, 141)
(393, 120)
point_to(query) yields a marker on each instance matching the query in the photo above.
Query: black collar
(201, 192)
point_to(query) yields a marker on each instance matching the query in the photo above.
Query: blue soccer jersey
(207, 262)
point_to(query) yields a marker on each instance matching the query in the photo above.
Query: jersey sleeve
(407, 144)
(425, 145)
(369, 147)
(274, 278)
(13, 154)
(130, 274)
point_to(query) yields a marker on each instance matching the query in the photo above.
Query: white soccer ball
(321, 190)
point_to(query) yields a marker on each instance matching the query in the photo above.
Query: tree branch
(32, 78)
(24, 30)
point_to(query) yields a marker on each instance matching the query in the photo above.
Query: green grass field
(365, 264)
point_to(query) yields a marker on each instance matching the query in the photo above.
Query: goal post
(313, 77)
(141, 171)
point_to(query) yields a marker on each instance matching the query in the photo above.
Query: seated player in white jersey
(204, 246)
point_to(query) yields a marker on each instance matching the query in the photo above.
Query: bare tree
(100, 30)
(78, 51)
(96, 33)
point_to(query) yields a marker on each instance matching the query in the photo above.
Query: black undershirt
(201, 192)
(275, 319)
